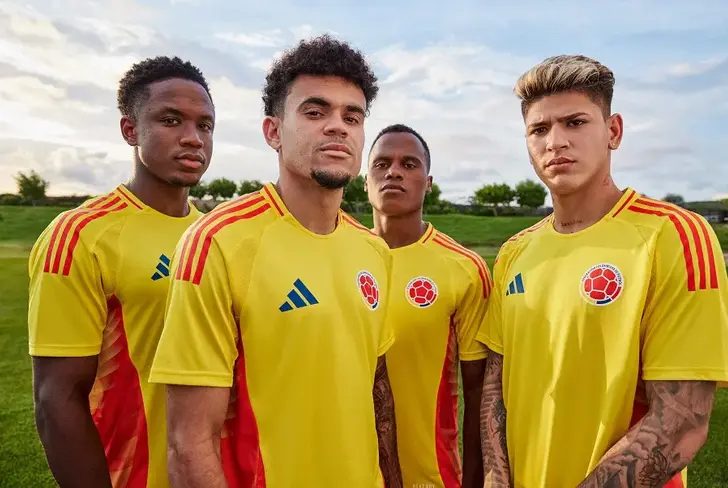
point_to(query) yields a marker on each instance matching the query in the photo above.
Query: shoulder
(520, 241)
(662, 218)
(357, 230)
(463, 258)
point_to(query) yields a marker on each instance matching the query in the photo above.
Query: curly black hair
(404, 129)
(134, 85)
(320, 56)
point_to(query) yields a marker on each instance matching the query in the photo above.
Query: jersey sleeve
(686, 319)
(491, 330)
(67, 304)
(198, 344)
(386, 336)
(471, 311)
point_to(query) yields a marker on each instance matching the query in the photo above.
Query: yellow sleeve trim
(496, 348)
(64, 350)
(191, 378)
(385, 347)
(683, 374)
(473, 356)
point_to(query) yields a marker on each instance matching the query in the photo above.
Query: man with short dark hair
(437, 302)
(274, 340)
(98, 286)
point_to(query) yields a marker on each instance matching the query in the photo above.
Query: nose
(393, 172)
(335, 126)
(191, 136)
(557, 139)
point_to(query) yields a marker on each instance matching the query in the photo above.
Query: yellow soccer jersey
(580, 318)
(294, 322)
(98, 286)
(438, 300)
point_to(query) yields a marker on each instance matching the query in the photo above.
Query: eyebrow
(171, 110)
(560, 119)
(321, 102)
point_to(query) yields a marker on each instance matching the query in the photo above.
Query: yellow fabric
(91, 293)
(302, 373)
(434, 328)
(571, 366)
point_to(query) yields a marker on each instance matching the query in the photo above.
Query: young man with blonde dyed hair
(608, 322)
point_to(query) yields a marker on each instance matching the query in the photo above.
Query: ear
(616, 130)
(271, 132)
(128, 130)
(429, 184)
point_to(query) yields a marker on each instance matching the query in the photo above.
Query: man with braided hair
(98, 285)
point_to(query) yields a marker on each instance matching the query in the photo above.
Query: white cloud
(271, 38)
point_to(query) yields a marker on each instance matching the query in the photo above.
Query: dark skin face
(321, 132)
(397, 179)
(172, 132)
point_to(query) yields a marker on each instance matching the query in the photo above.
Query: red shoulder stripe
(429, 234)
(208, 238)
(472, 253)
(625, 203)
(690, 218)
(482, 272)
(355, 223)
(189, 250)
(128, 199)
(273, 201)
(61, 223)
(533, 228)
(103, 207)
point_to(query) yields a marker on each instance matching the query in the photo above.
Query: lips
(559, 161)
(391, 187)
(336, 148)
(191, 160)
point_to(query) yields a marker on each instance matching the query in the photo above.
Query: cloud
(256, 39)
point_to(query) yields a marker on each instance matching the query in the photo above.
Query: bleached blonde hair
(567, 73)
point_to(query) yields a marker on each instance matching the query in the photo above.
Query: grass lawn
(22, 463)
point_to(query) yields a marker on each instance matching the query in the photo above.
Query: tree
(199, 190)
(221, 188)
(494, 194)
(674, 198)
(530, 193)
(354, 191)
(31, 186)
(249, 186)
(433, 198)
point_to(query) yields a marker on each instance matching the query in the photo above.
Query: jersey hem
(672, 374)
(496, 348)
(190, 378)
(473, 356)
(64, 351)
(385, 347)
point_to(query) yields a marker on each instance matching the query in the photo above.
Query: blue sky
(446, 68)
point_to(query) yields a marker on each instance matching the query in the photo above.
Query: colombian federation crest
(368, 289)
(602, 284)
(421, 292)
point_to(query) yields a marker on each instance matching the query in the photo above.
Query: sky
(445, 68)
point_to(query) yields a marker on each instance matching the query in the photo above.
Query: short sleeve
(198, 342)
(471, 312)
(491, 330)
(67, 305)
(386, 334)
(685, 323)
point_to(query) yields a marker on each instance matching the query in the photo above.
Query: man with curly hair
(98, 286)
(275, 334)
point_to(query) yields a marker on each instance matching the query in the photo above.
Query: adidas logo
(516, 285)
(162, 268)
(298, 297)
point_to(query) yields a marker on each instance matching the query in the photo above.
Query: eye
(206, 127)
(352, 120)
(576, 122)
(410, 165)
(171, 121)
(314, 113)
(538, 130)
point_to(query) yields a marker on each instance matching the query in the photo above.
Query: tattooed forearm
(665, 441)
(386, 427)
(493, 425)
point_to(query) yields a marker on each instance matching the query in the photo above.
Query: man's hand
(496, 466)
(473, 373)
(386, 427)
(71, 441)
(195, 417)
(664, 442)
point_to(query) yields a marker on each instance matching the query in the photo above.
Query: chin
(184, 180)
(331, 180)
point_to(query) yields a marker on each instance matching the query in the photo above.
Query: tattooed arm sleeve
(493, 425)
(386, 427)
(663, 442)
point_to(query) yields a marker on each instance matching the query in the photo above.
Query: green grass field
(22, 463)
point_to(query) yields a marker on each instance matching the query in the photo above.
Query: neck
(314, 207)
(399, 230)
(585, 207)
(161, 196)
